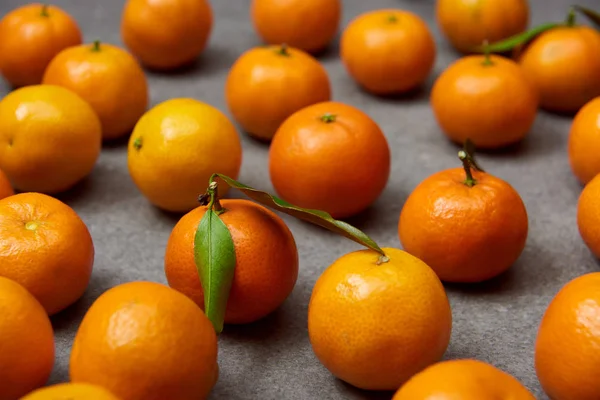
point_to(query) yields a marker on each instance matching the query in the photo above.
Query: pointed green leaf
(316, 217)
(516, 40)
(215, 259)
(592, 15)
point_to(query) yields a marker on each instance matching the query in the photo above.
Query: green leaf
(592, 15)
(215, 259)
(317, 217)
(516, 40)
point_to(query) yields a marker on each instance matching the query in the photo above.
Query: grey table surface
(272, 359)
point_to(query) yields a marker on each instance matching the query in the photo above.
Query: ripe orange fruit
(507, 102)
(26, 341)
(369, 49)
(303, 24)
(268, 84)
(66, 132)
(373, 324)
(313, 156)
(71, 391)
(144, 340)
(186, 139)
(464, 379)
(563, 64)
(468, 23)
(588, 215)
(266, 260)
(30, 36)
(185, 27)
(467, 230)
(584, 142)
(45, 247)
(567, 354)
(108, 78)
(5, 186)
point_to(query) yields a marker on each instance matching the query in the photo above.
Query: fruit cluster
(378, 318)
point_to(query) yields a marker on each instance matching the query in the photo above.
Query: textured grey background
(272, 359)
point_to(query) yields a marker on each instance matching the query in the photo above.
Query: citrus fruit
(584, 142)
(108, 78)
(374, 324)
(46, 247)
(30, 36)
(567, 349)
(463, 379)
(588, 215)
(267, 84)
(370, 46)
(563, 64)
(5, 186)
(314, 154)
(468, 23)
(71, 391)
(66, 132)
(309, 25)
(146, 341)
(185, 27)
(487, 99)
(26, 341)
(184, 139)
(266, 259)
(469, 226)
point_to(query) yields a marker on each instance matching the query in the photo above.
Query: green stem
(328, 118)
(571, 16)
(44, 12)
(283, 50)
(469, 181)
(96, 45)
(487, 59)
(382, 259)
(137, 143)
(392, 19)
(214, 203)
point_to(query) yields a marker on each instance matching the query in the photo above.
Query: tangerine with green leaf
(584, 142)
(388, 51)
(485, 98)
(315, 159)
(108, 78)
(145, 341)
(468, 23)
(177, 145)
(243, 260)
(309, 25)
(563, 65)
(30, 37)
(267, 84)
(466, 224)
(376, 320)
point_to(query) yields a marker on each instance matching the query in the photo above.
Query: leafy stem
(96, 45)
(44, 12)
(571, 17)
(487, 60)
(470, 181)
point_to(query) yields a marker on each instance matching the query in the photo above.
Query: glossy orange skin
(388, 51)
(108, 78)
(29, 40)
(493, 105)
(567, 349)
(588, 215)
(468, 23)
(312, 163)
(5, 186)
(309, 25)
(584, 142)
(462, 379)
(185, 28)
(71, 391)
(145, 341)
(26, 341)
(563, 64)
(266, 260)
(66, 132)
(43, 238)
(268, 84)
(374, 326)
(466, 234)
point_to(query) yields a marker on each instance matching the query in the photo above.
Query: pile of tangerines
(379, 320)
